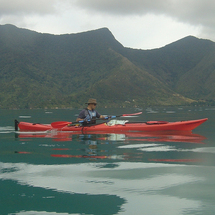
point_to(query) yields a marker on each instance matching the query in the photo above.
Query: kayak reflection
(171, 136)
(127, 146)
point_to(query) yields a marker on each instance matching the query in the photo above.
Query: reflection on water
(63, 173)
(104, 173)
(35, 196)
(91, 189)
(129, 146)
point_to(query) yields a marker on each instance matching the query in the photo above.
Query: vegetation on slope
(43, 70)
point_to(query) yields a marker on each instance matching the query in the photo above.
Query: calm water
(131, 173)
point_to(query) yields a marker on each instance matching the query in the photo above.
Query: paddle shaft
(61, 124)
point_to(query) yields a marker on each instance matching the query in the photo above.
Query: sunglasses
(93, 104)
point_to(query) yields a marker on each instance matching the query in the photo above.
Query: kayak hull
(130, 126)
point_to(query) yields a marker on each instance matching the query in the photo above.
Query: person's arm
(78, 119)
(102, 117)
(81, 116)
(98, 115)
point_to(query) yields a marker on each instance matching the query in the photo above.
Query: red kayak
(149, 126)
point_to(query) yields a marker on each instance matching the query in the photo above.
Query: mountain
(43, 70)
(186, 66)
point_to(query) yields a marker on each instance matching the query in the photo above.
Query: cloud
(123, 7)
(194, 12)
(23, 7)
(137, 23)
(182, 9)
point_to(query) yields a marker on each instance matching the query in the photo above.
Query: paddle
(125, 115)
(61, 124)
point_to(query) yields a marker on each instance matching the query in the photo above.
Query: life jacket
(90, 115)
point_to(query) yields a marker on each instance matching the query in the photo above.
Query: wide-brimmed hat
(91, 101)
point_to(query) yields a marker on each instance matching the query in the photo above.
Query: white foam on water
(6, 129)
(138, 146)
(25, 117)
(39, 213)
(160, 148)
(209, 108)
(170, 111)
(152, 111)
(31, 132)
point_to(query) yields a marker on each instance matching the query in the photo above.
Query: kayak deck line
(149, 126)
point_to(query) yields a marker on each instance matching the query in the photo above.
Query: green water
(132, 173)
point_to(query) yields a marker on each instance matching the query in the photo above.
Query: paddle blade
(132, 114)
(60, 124)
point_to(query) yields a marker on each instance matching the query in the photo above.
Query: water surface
(128, 173)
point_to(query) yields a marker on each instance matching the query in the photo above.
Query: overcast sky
(142, 24)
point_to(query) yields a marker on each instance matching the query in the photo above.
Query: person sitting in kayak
(89, 114)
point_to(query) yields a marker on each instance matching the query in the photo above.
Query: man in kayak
(89, 114)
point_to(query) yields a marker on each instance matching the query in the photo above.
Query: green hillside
(40, 70)
(128, 85)
(43, 70)
(199, 82)
(186, 66)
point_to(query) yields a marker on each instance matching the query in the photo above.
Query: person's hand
(108, 117)
(87, 120)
